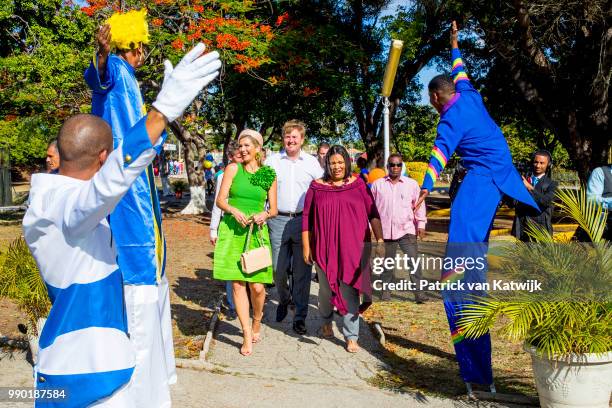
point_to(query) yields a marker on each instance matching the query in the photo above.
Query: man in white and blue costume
(136, 221)
(85, 345)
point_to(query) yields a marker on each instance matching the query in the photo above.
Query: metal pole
(386, 105)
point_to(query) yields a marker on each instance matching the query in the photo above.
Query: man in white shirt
(295, 170)
(85, 347)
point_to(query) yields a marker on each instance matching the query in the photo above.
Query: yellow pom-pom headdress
(129, 29)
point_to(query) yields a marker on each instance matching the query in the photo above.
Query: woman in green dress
(244, 191)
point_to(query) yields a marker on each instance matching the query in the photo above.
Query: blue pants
(472, 215)
(286, 240)
(229, 293)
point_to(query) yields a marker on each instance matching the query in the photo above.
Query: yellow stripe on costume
(159, 235)
(432, 174)
(457, 62)
(461, 76)
(437, 153)
(95, 65)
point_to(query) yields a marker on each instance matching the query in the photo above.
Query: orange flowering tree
(301, 81)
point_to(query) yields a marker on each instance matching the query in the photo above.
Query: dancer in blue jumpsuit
(465, 127)
(136, 221)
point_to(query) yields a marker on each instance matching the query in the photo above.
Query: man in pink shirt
(395, 196)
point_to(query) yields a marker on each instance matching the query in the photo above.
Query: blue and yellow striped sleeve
(460, 77)
(444, 146)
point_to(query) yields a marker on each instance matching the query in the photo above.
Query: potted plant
(21, 282)
(567, 327)
(179, 186)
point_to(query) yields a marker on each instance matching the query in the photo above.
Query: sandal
(327, 331)
(256, 335)
(352, 346)
(247, 347)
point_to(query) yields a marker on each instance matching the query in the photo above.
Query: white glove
(183, 83)
(168, 68)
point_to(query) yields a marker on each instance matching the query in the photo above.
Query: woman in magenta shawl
(335, 226)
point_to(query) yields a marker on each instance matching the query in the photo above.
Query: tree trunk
(195, 176)
(163, 174)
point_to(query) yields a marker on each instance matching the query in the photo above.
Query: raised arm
(97, 76)
(460, 77)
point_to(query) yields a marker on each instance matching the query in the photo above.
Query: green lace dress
(247, 193)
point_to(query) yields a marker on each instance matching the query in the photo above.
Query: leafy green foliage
(21, 282)
(575, 313)
(415, 132)
(46, 49)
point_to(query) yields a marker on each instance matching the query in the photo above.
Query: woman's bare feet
(247, 344)
(352, 346)
(327, 331)
(256, 330)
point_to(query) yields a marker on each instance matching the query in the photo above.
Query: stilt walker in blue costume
(136, 221)
(86, 356)
(465, 127)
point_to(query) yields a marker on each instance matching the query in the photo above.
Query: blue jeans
(230, 295)
(286, 240)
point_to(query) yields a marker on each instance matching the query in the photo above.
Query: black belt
(290, 214)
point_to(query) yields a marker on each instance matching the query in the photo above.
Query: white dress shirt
(293, 178)
(215, 218)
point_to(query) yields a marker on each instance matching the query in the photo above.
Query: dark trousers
(286, 240)
(408, 245)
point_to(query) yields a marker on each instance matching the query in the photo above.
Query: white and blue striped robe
(84, 345)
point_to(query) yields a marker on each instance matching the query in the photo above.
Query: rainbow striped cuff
(461, 76)
(457, 62)
(457, 336)
(432, 172)
(439, 156)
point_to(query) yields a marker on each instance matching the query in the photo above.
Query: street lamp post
(390, 71)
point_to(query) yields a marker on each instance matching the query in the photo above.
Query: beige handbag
(255, 259)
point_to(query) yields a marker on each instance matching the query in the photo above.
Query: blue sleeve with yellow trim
(92, 76)
(460, 77)
(444, 146)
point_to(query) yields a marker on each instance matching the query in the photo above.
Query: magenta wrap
(338, 221)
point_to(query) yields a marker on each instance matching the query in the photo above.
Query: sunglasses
(394, 165)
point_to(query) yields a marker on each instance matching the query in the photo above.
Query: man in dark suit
(543, 190)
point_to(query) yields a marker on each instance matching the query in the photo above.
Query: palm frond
(478, 318)
(538, 232)
(589, 214)
(20, 281)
